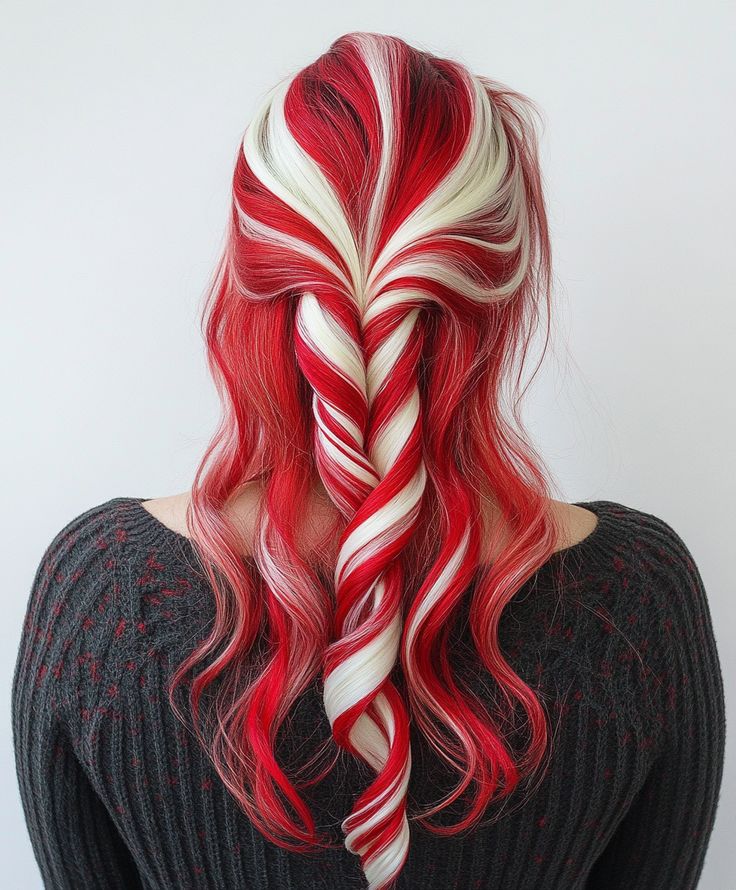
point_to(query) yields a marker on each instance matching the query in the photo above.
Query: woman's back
(614, 632)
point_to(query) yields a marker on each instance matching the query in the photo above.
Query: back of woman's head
(386, 261)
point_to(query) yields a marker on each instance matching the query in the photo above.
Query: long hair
(386, 261)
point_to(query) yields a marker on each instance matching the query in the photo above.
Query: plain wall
(120, 126)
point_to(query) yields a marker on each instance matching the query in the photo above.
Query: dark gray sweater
(117, 794)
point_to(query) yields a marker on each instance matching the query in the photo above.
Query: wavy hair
(386, 261)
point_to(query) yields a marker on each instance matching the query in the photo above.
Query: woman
(368, 648)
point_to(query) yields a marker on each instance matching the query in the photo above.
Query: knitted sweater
(118, 794)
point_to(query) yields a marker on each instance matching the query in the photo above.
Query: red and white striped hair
(386, 260)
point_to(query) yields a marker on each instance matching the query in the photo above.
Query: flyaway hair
(386, 262)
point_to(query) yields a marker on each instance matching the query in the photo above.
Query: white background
(120, 125)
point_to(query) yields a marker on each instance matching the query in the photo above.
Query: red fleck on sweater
(615, 633)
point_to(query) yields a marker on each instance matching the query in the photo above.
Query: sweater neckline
(143, 526)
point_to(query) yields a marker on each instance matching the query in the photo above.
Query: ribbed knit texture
(615, 632)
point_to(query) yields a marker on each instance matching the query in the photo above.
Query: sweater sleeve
(74, 836)
(662, 839)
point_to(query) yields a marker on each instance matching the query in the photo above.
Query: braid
(368, 450)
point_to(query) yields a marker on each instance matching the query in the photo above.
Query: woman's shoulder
(101, 570)
(120, 528)
(650, 581)
(638, 567)
(633, 616)
(75, 560)
(625, 531)
(112, 586)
